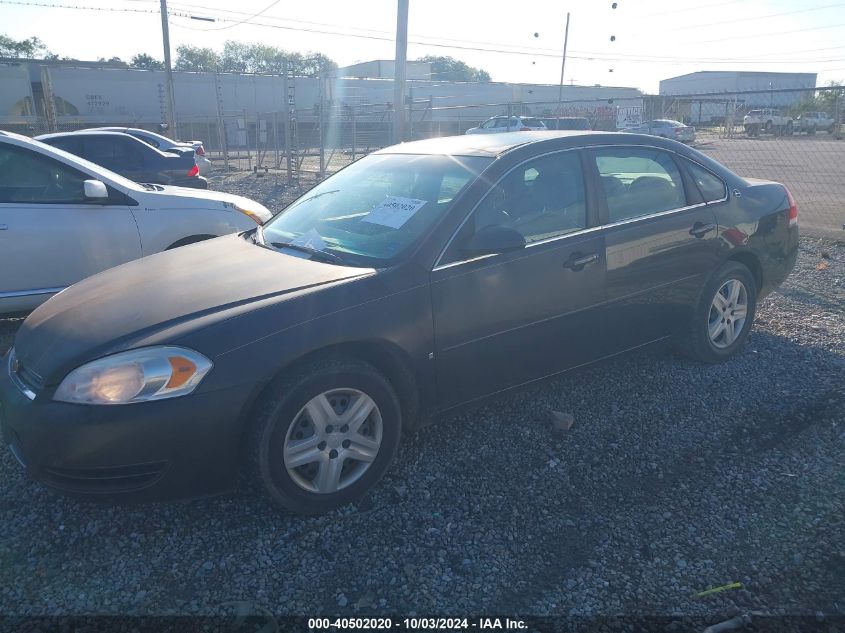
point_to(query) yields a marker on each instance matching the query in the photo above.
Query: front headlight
(150, 373)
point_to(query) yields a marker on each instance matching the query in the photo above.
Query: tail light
(525, 129)
(793, 209)
(193, 171)
(200, 151)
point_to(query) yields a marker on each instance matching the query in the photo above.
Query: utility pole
(562, 65)
(399, 71)
(168, 71)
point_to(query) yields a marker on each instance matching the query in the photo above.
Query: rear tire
(722, 316)
(301, 450)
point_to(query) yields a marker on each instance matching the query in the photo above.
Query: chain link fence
(793, 136)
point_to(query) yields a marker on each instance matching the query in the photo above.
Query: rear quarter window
(712, 187)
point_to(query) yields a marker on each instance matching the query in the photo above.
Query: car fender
(160, 227)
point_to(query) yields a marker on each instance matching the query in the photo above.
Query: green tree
(30, 48)
(315, 64)
(146, 62)
(451, 69)
(196, 59)
(826, 99)
(242, 57)
(113, 60)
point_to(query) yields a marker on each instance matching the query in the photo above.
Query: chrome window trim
(656, 214)
(30, 293)
(438, 266)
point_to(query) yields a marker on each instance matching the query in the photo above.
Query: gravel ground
(675, 478)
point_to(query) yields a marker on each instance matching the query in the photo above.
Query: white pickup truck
(767, 120)
(812, 122)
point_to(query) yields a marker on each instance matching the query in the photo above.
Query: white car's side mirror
(95, 190)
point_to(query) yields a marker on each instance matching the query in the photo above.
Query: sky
(513, 41)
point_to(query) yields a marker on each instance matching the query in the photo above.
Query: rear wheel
(722, 316)
(324, 435)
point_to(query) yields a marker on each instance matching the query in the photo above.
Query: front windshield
(377, 208)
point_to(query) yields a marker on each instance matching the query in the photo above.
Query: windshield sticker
(394, 211)
(310, 239)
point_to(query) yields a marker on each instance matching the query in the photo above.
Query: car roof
(485, 144)
(81, 133)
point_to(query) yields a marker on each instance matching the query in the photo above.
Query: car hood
(170, 293)
(180, 196)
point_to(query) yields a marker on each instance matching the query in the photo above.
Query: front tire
(324, 435)
(722, 316)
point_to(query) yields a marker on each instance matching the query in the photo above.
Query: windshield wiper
(318, 254)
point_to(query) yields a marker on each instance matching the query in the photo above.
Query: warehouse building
(733, 91)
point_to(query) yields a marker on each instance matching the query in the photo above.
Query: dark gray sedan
(422, 278)
(131, 157)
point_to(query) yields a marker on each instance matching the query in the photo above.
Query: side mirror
(494, 238)
(95, 190)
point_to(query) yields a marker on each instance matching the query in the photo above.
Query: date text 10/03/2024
(482, 624)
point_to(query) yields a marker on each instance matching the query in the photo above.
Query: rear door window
(639, 182)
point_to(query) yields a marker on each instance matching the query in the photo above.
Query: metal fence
(790, 135)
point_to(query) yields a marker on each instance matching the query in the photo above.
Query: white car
(665, 128)
(63, 218)
(499, 124)
(165, 144)
(812, 122)
(767, 120)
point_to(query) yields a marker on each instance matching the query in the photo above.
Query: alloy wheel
(333, 440)
(728, 312)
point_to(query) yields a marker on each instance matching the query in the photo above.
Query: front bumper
(181, 447)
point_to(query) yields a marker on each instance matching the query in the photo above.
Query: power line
(85, 8)
(522, 50)
(745, 37)
(685, 9)
(253, 16)
(757, 17)
(580, 55)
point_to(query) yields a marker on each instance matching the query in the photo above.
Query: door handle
(4, 227)
(700, 230)
(577, 261)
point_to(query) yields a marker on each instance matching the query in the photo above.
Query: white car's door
(51, 236)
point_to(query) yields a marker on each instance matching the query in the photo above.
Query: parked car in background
(131, 157)
(164, 144)
(665, 128)
(498, 124)
(567, 123)
(812, 122)
(299, 352)
(768, 121)
(63, 218)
